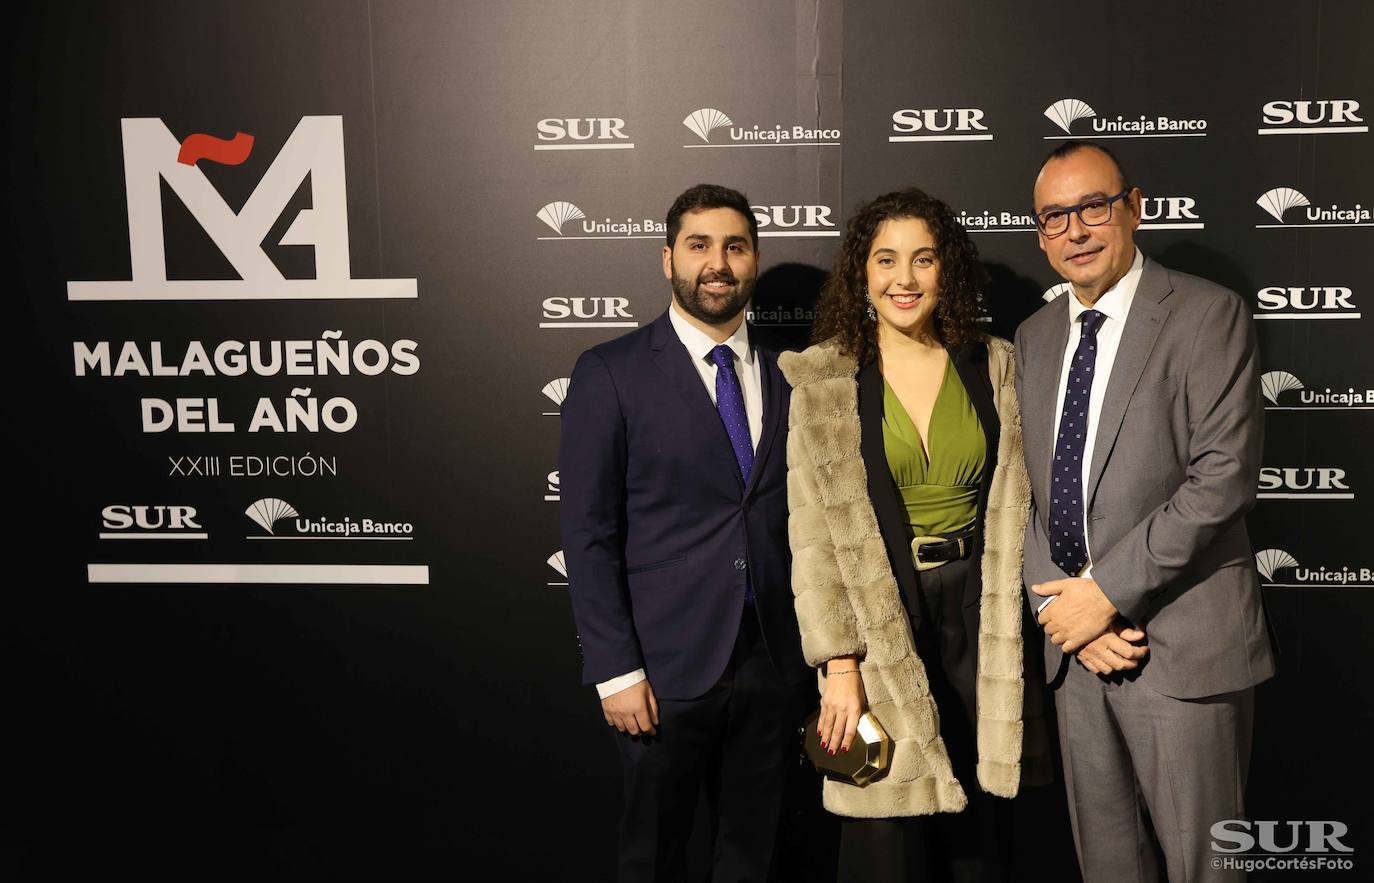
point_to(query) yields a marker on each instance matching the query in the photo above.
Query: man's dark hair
(1071, 147)
(709, 196)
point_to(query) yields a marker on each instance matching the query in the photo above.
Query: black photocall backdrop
(403, 695)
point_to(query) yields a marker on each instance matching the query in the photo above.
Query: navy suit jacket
(659, 528)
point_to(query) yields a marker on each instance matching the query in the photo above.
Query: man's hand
(842, 704)
(633, 710)
(1113, 651)
(1078, 614)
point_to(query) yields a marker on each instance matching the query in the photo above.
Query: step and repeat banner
(301, 284)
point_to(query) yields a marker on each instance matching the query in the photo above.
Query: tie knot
(723, 356)
(1092, 320)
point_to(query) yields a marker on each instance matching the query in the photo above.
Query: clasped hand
(1078, 614)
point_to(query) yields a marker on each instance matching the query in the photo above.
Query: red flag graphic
(201, 146)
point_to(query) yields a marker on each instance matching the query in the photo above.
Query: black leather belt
(931, 552)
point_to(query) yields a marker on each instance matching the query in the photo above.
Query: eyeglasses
(1095, 212)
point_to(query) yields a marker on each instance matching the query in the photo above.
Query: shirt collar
(700, 346)
(1116, 303)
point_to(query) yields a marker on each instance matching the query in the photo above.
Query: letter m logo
(315, 149)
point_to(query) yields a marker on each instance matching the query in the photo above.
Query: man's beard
(710, 308)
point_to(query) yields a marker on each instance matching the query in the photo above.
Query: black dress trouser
(971, 845)
(740, 741)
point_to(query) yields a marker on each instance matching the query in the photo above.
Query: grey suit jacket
(1175, 468)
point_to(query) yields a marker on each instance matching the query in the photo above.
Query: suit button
(739, 564)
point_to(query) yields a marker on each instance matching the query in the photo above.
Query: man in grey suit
(1142, 425)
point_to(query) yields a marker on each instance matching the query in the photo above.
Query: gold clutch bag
(867, 758)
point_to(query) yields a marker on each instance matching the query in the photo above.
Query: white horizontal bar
(1149, 135)
(588, 324)
(584, 146)
(288, 574)
(773, 144)
(939, 138)
(236, 289)
(1307, 316)
(1315, 130)
(407, 539)
(181, 535)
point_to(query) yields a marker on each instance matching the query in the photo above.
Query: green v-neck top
(940, 496)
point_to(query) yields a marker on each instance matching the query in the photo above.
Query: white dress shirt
(699, 347)
(1115, 305)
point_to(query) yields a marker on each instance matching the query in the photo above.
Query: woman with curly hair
(909, 499)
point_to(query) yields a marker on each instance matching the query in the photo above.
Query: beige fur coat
(848, 601)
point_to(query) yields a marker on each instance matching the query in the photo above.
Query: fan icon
(702, 121)
(556, 214)
(1267, 561)
(1280, 200)
(1064, 111)
(268, 511)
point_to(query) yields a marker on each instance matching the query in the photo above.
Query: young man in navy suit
(674, 513)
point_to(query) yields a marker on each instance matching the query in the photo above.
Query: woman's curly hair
(842, 312)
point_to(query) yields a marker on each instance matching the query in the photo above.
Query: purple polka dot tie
(1068, 547)
(730, 404)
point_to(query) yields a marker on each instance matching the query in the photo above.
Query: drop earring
(872, 313)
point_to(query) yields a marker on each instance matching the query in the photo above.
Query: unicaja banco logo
(555, 391)
(557, 563)
(706, 120)
(556, 214)
(268, 511)
(1278, 201)
(703, 121)
(1067, 111)
(314, 151)
(1274, 383)
(1276, 564)
(1268, 561)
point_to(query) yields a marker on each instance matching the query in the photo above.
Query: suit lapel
(881, 490)
(1143, 324)
(672, 358)
(773, 394)
(1041, 394)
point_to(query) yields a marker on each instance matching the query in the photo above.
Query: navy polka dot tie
(1068, 547)
(730, 404)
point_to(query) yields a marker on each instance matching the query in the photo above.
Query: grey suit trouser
(1146, 772)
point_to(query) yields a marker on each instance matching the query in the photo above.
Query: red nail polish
(832, 751)
(844, 749)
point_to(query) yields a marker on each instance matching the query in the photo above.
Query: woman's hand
(842, 705)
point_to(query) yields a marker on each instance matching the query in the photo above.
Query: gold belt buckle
(918, 542)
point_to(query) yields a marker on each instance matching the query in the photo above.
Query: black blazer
(659, 528)
(971, 362)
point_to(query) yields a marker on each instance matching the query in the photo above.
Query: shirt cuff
(606, 689)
